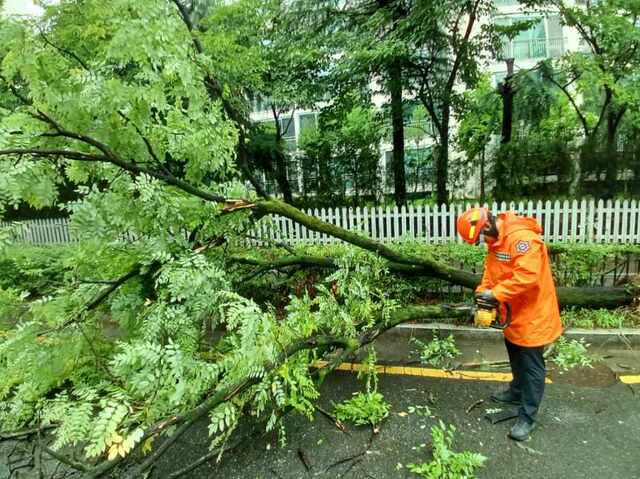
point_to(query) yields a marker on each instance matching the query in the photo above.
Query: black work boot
(507, 396)
(521, 429)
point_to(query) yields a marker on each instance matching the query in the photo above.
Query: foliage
(571, 353)
(341, 157)
(37, 270)
(438, 352)
(581, 264)
(367, 407)
(10, 305)
(129, 95)
(598, 318)
(480, 121)
(363, 408)
(603, 79)
(446, 463)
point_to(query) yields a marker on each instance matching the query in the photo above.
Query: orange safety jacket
(517, 270)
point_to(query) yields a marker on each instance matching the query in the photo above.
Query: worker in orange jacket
(517, 271)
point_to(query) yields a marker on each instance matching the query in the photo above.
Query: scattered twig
(549, 352)
(351, 466)
(529, 449)
(69, 462)
(304, 459)
(474, 405)
(13, 469)
(502, 362)
(345, 460)
(25, 433)
(334, 420)
(210, 455)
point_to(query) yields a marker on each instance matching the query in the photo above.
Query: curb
(621, 337)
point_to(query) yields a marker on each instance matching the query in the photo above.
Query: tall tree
(477, 126)
(264, 63)
(364, 52)
(447, 44)
(341, 159)
(598, 80)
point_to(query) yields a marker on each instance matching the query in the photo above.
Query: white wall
(21, 7)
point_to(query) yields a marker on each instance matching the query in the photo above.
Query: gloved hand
(487, 300)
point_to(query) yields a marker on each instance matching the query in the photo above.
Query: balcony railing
(533, 49)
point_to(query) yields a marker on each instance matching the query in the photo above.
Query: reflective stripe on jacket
(517, 270)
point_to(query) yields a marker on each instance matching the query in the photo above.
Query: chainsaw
(490, 317)
(485, 317)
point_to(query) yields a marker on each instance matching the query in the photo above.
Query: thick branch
(318, 262)
(430, 267)
(44, 153)
(63, 51)
(167, 177)
(78, 466)
(99, 298)
(581, 297)
(186, 18)
(564, 89)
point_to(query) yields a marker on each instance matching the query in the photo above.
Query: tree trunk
(482, 160)
(501, 170)
(505, 89)
(613, 120)
(281, 175)
(281, 161)
(397, 124)
(442, 158)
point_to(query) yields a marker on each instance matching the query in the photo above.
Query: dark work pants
(527, 367)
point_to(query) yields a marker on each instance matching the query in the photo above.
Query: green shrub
(438, 351)
(10, 303)
(447, 464)
(37, 269)
(582, 264)
(363, 408)
(597, 318)
(571, 353)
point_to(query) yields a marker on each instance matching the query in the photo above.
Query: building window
(288, 131)
(260, 104)
(308, 122)
(419, 169)
(542, 40)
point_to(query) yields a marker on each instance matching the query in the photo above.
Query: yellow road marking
(447, 374)
(427, 372)
(630, 379)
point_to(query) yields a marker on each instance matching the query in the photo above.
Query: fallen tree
(151, 139)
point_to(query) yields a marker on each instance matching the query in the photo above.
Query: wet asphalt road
(582, 433)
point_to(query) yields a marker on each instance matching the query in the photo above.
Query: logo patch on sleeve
(522, 246)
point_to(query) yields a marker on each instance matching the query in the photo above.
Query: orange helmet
(471, 222)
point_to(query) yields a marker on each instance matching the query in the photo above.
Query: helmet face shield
(471, 223)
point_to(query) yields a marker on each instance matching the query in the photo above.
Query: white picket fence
(584, 221)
